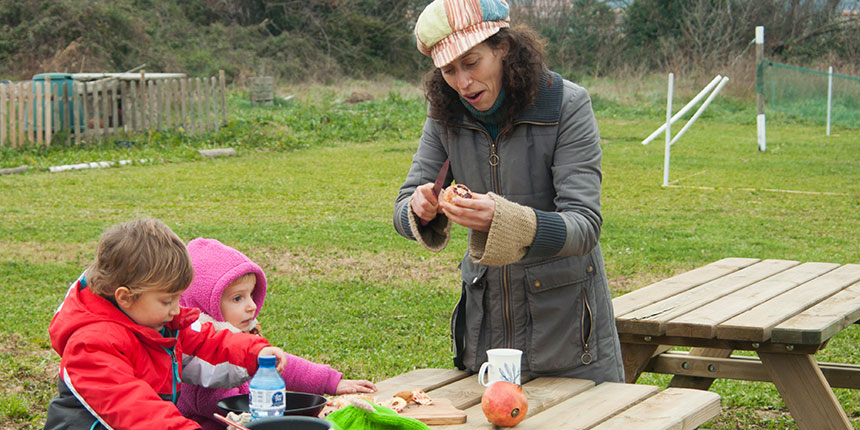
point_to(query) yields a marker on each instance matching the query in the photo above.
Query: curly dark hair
(523, 67)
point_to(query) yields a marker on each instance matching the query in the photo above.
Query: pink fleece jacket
(215, 266)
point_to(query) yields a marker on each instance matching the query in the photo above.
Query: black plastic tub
(305, 404)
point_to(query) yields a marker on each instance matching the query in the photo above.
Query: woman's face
(477, 75)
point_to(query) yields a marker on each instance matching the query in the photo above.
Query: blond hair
(141, 255)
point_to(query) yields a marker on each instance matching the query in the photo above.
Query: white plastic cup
(503, 364)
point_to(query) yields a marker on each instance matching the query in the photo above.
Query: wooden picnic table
(782, 310)
(567, 404)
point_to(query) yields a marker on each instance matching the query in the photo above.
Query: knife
(440, 179)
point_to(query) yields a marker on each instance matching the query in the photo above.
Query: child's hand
(277, 352)
(352, 386)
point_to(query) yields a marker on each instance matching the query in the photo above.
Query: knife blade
(440, 180)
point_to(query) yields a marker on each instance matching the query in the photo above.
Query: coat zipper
(494, 160)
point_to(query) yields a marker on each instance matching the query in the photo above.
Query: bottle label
(267, 403)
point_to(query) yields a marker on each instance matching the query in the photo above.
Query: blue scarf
(492, 118)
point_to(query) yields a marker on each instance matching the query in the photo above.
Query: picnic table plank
(543, 393)
(757, 323)
(424, 379)
(463, 393)
(672, 408)
(668, 287)
(591, 407)
(820, 322)
(652, 319)
(702, 322)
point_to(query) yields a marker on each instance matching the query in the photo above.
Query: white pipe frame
(701, 109)
(684, 110)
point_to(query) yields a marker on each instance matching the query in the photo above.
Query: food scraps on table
(396, 403)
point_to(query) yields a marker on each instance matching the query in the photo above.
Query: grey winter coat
(544, 290)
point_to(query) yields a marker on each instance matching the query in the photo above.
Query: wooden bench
(567, 404)
(782, 310)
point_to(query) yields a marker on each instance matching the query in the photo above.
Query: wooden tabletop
(567, 404)
(748, 301)
(782, 310)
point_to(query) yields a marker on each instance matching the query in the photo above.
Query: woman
(526, 142)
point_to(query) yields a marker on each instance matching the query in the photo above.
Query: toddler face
(237, 305)
(153, 309)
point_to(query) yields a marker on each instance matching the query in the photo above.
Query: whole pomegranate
(504, 404)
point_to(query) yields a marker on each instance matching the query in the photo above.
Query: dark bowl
(306, 404)
(289, 423)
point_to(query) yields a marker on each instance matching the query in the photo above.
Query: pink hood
(218, 264)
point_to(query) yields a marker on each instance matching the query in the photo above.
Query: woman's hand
(352, 386)
(278, 353)
(424, 203)
(475, 213)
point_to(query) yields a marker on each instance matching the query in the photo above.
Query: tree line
(330, 39)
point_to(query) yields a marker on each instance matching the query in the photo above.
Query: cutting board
(441, 412)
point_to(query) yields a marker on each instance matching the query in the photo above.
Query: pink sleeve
(309, 377)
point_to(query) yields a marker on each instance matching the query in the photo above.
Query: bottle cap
(267, 360)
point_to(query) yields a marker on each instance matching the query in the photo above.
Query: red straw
(230, 422)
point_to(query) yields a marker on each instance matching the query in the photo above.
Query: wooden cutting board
(441, 412)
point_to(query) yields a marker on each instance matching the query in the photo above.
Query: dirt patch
(48, 252)
(28, 375)
(345, 265)
(624, 284)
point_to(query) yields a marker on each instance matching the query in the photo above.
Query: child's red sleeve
(218, 359)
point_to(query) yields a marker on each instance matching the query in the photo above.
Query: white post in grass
(760, 121)
(829, 96)
(668, 130)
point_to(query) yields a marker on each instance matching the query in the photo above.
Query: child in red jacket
(122, 336)
(229, 289)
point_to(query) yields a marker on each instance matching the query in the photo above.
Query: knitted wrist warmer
(435, 235)
(511, 233)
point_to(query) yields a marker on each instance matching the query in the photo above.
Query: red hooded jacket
(119, 373)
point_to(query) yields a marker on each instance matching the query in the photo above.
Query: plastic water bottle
(267, 390)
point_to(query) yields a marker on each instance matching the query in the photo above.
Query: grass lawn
(310, 197)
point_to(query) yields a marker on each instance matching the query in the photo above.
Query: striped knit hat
(448, 28)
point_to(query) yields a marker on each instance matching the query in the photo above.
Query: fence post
(668, 129)
(77, 118)
(38, 108)
(13, 120)
(22, 107)
(85, 102)
(760, 118)
(829, 96)
(222, 84)
(4, 121)
(199, 93)
(207, 88)
(48, 105)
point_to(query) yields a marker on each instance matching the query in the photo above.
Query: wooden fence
(38, 111)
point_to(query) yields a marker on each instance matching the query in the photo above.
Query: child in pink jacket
(230, 289)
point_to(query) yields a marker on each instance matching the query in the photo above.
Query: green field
(310, 196)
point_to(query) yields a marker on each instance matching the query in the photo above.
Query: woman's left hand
(278, 353)
(475, 213)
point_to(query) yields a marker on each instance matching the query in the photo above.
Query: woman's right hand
(424, 202)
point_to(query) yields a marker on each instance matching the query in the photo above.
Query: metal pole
(760, 118)
(668, 130)
(829, 96)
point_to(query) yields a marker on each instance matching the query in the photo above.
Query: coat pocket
(556, 290)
